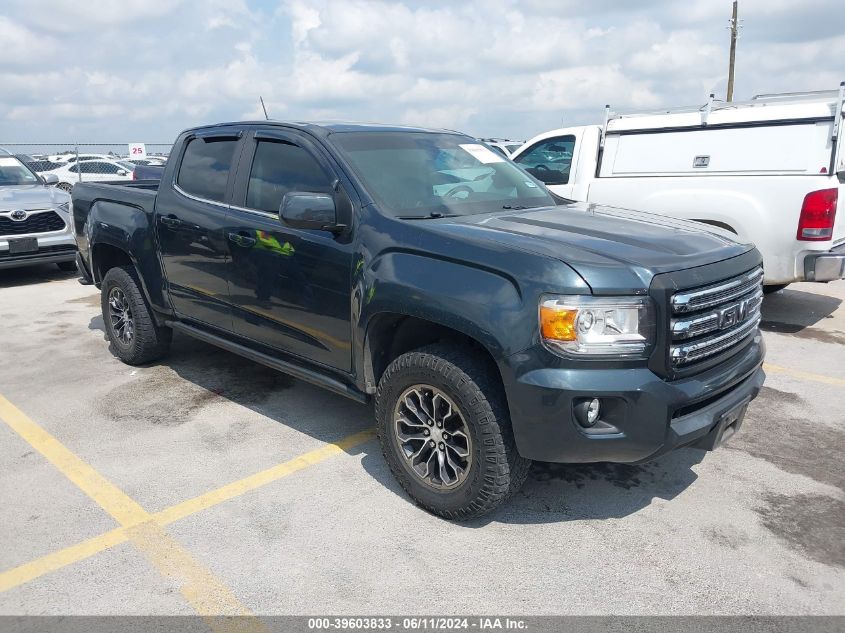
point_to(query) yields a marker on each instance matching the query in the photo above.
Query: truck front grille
(713, 319)
(37, 222)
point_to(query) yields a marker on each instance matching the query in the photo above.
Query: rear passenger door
(190, 219)
(290, 288)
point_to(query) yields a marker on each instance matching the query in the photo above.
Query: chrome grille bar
(697, 325)
(718, 293)
(714, 318)
(688, 353)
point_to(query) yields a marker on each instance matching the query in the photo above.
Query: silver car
(35, 219)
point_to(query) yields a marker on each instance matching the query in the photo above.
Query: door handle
(170, 220)
(242, 240)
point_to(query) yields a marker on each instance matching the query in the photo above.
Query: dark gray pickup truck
(491, 323)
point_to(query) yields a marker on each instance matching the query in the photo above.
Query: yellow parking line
(123, 508)
(201, 588)
(203, 591)
(259, 479)
(803, 375)
(108, 496)
(51, 562)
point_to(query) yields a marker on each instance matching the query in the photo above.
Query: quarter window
(205, 167)
(549, 160)
(279, 167)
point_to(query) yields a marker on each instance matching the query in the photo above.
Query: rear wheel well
(391, 335)
(104, 257)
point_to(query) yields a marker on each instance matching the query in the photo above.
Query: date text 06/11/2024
(430, 623)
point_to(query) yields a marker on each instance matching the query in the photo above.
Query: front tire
(445, 432)
(131, 329)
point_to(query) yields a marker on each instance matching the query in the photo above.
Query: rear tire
(130, 327)
(445, 378)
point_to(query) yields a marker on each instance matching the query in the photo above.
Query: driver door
(290, 288)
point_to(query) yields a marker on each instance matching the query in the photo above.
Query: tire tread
(505, 469)
(151, 341)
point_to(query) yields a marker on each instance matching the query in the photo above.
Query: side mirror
(302, 210)
(50, 179)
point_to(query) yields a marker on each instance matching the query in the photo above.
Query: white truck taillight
(817, 215)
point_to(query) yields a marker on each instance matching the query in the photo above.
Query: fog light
(587, 411)
(593, 410)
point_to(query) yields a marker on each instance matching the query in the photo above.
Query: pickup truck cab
(491, 323)
(769, 170)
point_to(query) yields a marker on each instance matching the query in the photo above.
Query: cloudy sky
(118, 70)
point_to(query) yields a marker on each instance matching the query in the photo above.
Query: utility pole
(734, 27)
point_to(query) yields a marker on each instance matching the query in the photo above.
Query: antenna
(263, 107)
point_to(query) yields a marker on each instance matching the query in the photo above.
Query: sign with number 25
(137, 150)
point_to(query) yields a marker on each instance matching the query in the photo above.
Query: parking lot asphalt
(206, 483)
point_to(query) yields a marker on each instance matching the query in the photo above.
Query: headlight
(580, 325)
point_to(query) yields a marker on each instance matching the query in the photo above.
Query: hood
(614, 250)
(31, 197)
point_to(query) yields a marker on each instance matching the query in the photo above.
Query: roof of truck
(324, 128)
(762, 108)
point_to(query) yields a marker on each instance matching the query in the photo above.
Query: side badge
(701, 161)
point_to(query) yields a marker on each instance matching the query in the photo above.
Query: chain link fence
(91, 162)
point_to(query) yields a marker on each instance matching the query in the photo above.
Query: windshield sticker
(482, 154)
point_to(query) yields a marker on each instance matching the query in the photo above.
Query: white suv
(35, 219)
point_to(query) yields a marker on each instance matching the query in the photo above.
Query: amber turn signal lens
(558, 325)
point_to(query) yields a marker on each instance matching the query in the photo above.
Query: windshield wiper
(433, 214)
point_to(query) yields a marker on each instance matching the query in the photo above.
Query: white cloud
(111, 69)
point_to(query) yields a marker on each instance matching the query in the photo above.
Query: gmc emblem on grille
(733, 314)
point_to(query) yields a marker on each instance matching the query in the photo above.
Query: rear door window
(205, 167)
(549, 160)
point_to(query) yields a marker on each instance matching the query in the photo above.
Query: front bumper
(52, 248)
(651, 416)
(828, 266)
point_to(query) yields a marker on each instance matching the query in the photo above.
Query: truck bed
(111, 196)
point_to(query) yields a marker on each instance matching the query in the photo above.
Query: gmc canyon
(490, 322)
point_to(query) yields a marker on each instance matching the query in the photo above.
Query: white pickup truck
(770, 170)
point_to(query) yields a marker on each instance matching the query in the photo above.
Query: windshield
(13, 172)
(413, 174)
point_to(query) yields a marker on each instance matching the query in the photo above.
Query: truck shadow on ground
(195, 374)
(791, 311)
(28, 275)
(557, 493)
